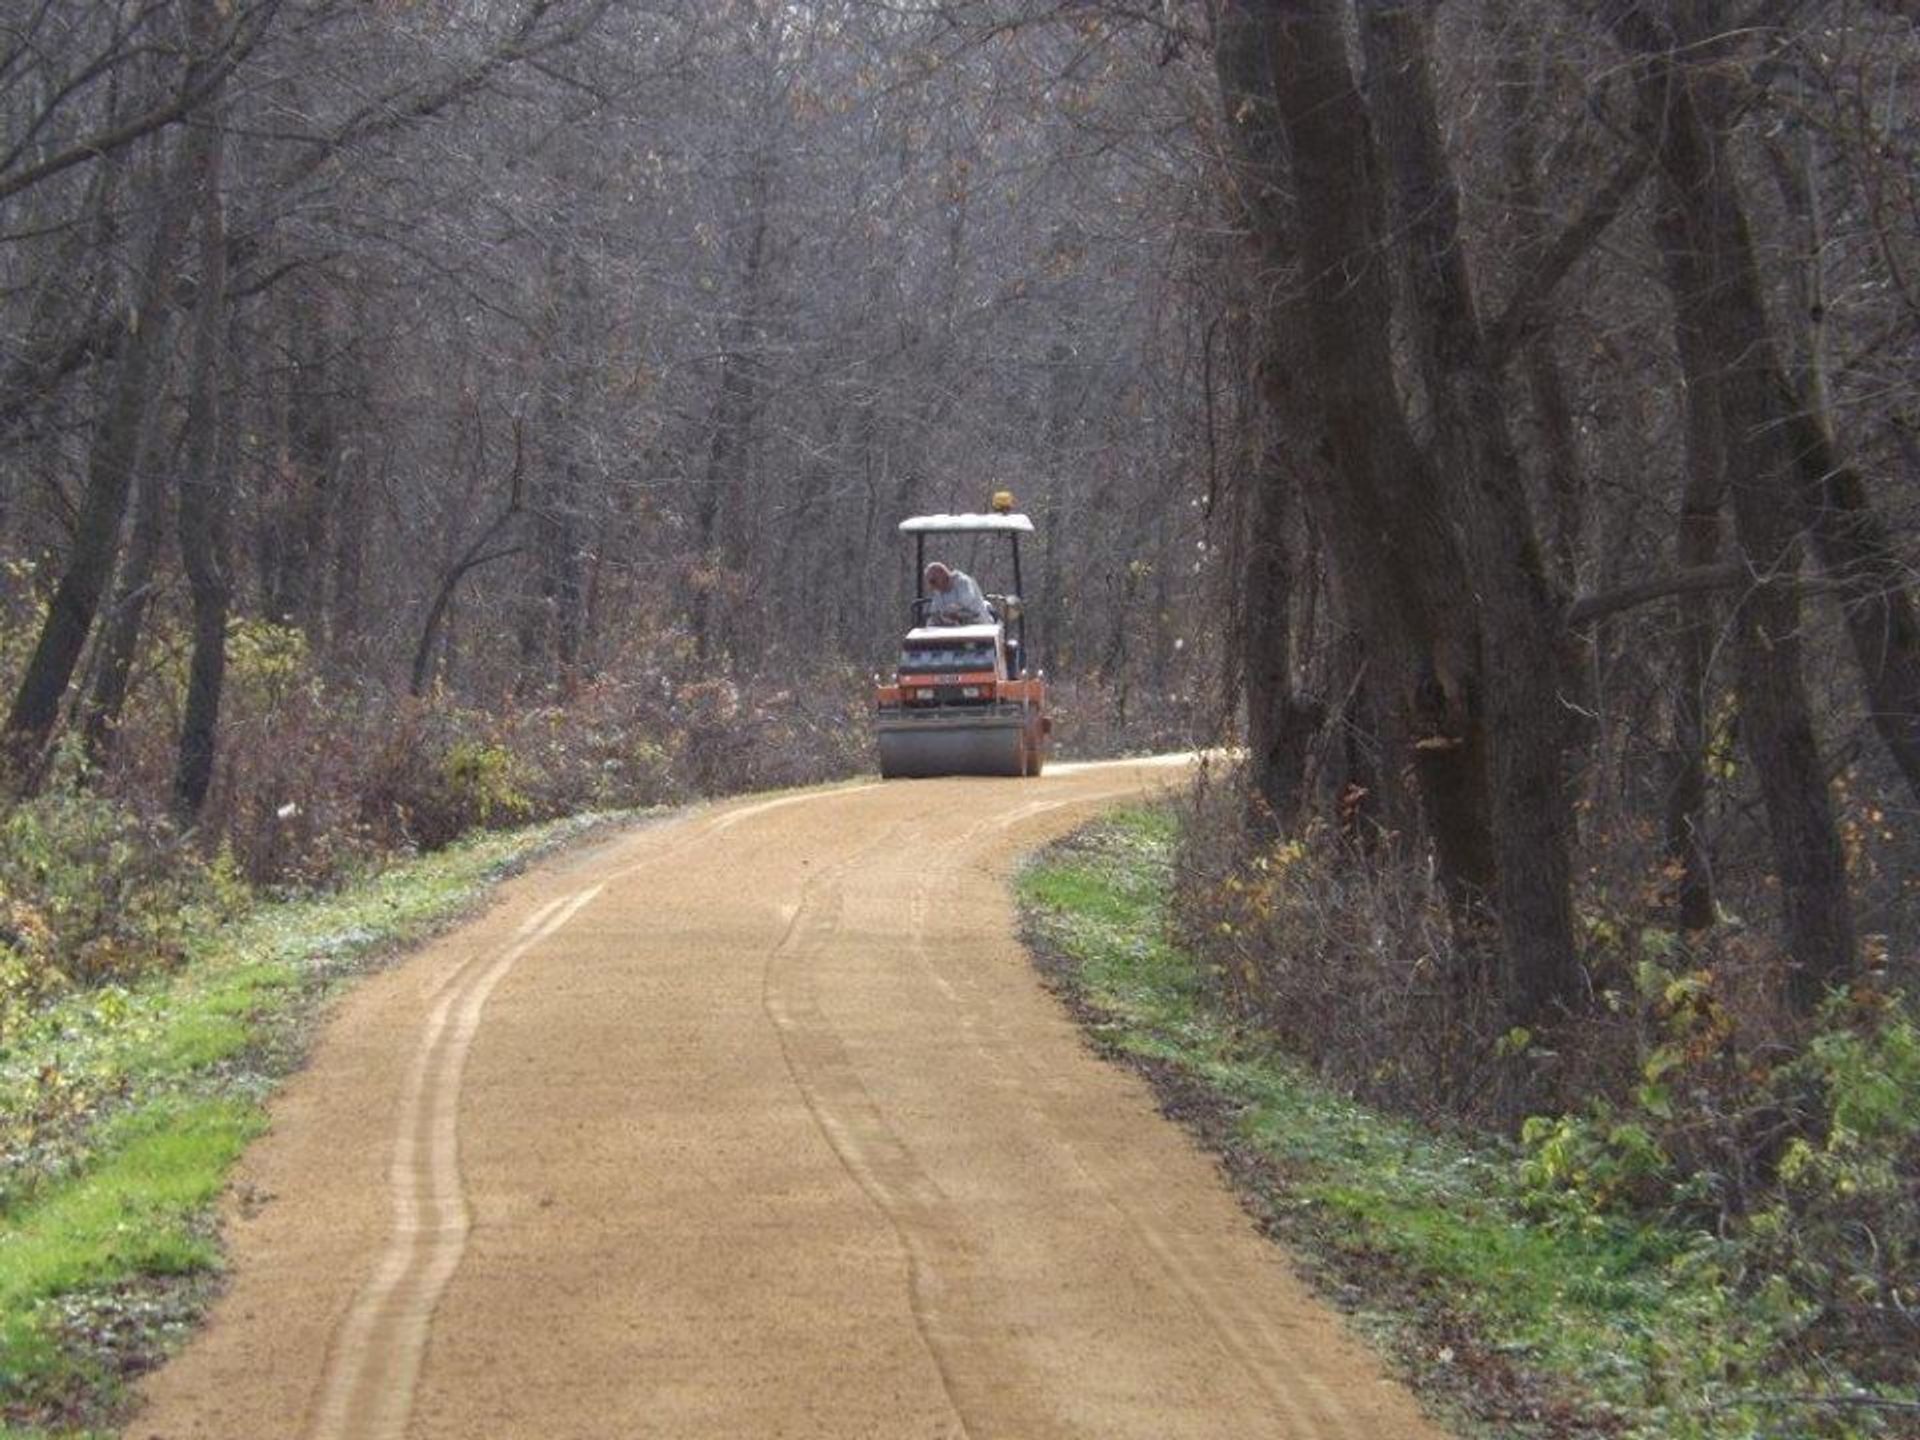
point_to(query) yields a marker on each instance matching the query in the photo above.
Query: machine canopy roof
(927, 634)
(964, 524)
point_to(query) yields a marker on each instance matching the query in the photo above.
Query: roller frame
(1005, 736)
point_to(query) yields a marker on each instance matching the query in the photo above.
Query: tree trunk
(293, 538)
(1480, 469)
(491, 544)
(1516, 86)
(552, 608)
(116, 445)
(126, 616)
(1696, 617)
(1288, 90)
(1858, 560)
(1857, 555)
(1281, 726)
(557, 558)
(1682, 112)
(720, 511)
(348, 564)
(1276, 400)
(67, 327)
(205, 485)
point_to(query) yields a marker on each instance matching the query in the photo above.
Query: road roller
(966, 698)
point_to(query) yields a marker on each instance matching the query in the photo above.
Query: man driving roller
(953, 598)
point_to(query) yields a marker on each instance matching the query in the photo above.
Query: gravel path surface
(754, 1123)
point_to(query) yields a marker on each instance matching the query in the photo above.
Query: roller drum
(923, 750)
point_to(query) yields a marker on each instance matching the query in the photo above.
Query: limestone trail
(755, 1122)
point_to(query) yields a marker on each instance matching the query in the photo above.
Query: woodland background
(1498, 417)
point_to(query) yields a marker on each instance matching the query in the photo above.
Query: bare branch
(1589, 608)
(1527, 307)
(202, 82)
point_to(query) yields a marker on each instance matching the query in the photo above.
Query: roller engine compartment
(951, 667)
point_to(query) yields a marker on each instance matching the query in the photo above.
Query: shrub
(1842, 1223)
(1345, 958)
(90, 892)
(480, 785)
(1807, 1168)
(1688, 1092)
(29, 973)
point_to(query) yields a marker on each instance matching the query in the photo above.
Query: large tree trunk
(1481, 469)
(1488, 753)
(1288, 89)
(1281, 725)
(1682, 112)
(1696, 617)
(1279, 416)
(205, 488)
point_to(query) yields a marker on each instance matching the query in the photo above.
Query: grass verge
(1509, 1325)
(123, 1108)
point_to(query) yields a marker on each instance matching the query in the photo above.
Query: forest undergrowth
(155, 982)
(1524, 1283)
(1697, 1203)
(324, 781)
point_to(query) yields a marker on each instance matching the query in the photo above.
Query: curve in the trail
(755, 1121)
(988, 1386)
(867, 1149)
(1216, 1302)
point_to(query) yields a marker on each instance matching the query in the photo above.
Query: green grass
(1624, 1327)
(162, 1164)
(124, 1108)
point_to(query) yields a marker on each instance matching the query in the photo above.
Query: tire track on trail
(368, 1387)
(1240, 1331)
(755, 1122)
(992, 1387)
(988, 1386)
(374, 1361)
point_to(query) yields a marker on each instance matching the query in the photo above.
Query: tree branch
(475, 555)
(1528, 304)
(399, 110)
(201, 84)
(1698, 580)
